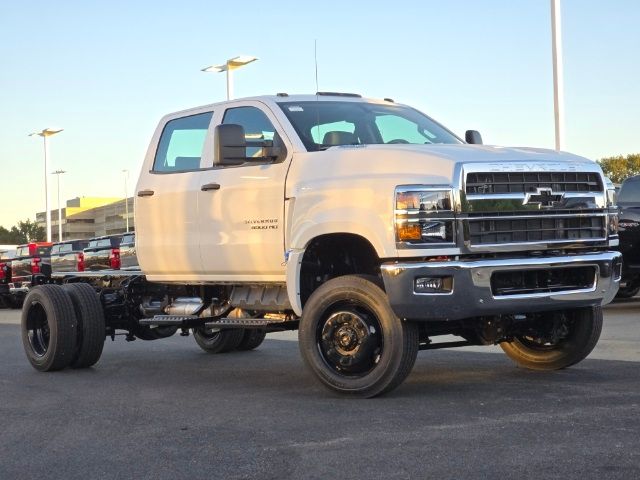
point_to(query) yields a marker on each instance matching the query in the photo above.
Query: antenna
(315, 56)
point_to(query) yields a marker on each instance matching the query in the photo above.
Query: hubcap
(350, 341)
(38, 332)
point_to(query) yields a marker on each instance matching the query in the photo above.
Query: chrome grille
(547, 228)
(488, 183)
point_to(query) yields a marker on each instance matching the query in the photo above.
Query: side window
(181, 143)
(257, 126)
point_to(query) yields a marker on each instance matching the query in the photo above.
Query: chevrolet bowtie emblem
(544, 197)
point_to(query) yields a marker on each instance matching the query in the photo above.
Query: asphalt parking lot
(167, 410)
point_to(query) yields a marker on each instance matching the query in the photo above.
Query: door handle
(210, 186)
(146, 193)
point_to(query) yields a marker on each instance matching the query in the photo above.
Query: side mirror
(229, 145)
(473, 137)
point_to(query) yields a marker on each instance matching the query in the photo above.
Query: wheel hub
(347, 338)
(350, 341)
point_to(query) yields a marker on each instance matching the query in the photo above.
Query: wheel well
(334, 255)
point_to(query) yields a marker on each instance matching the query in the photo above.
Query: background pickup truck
(31, 259)
(103, 253)
(68, 256)
(128, 258)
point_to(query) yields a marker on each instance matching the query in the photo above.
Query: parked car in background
(629, 231)
(103, 253)
(128, 258)
(6, 299)
(68, 256)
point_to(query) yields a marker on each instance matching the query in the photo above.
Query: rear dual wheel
(49, 328)
(62, 326)
(91, 325)
(215, 340)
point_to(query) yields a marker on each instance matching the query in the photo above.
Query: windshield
(322, 124)
(629, 192)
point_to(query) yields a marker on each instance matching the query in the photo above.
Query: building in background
(88, 217)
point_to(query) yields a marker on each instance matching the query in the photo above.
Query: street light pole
(126, 198)
(57, 173)
(230, 65)
(558, 83)
(47, 132)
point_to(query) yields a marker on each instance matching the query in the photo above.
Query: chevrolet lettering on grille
(544, 197)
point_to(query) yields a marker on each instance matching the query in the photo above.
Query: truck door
(166, 202)
(241, 208)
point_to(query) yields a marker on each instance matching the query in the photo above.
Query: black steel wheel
(213, 340)
(91, 324)
(352, 341)
(566, 339)
(49, 328)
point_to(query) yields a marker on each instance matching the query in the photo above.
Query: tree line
(621, 167)
(25, 231)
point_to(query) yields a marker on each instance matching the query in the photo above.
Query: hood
(436, 163)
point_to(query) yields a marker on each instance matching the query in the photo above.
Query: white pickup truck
(364, 224)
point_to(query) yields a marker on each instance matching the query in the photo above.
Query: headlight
(612, 198)
(424, 216)
(613, 224)
(612, 207)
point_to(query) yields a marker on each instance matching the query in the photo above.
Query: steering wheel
(398, 140)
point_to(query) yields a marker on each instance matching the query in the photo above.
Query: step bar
(193, 321)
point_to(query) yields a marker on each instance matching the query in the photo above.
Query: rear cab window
(128, 240)
(181, 144)
(103, 243)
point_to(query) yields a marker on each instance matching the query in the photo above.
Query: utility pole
(558, 83)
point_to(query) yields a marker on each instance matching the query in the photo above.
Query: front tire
(580, 331)
(351, 339)
(49, 328)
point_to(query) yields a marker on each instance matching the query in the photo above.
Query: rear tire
(218, 341)
(583, 331)
(91, 324)
(352, 341)
(49, 328)
(252, 339)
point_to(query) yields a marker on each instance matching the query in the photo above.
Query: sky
(107, 71)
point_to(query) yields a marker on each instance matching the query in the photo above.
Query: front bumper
(472, 294)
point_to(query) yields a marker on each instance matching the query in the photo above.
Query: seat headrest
(340, 138)
(187, 163)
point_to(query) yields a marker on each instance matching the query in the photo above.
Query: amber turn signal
(409, 231)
